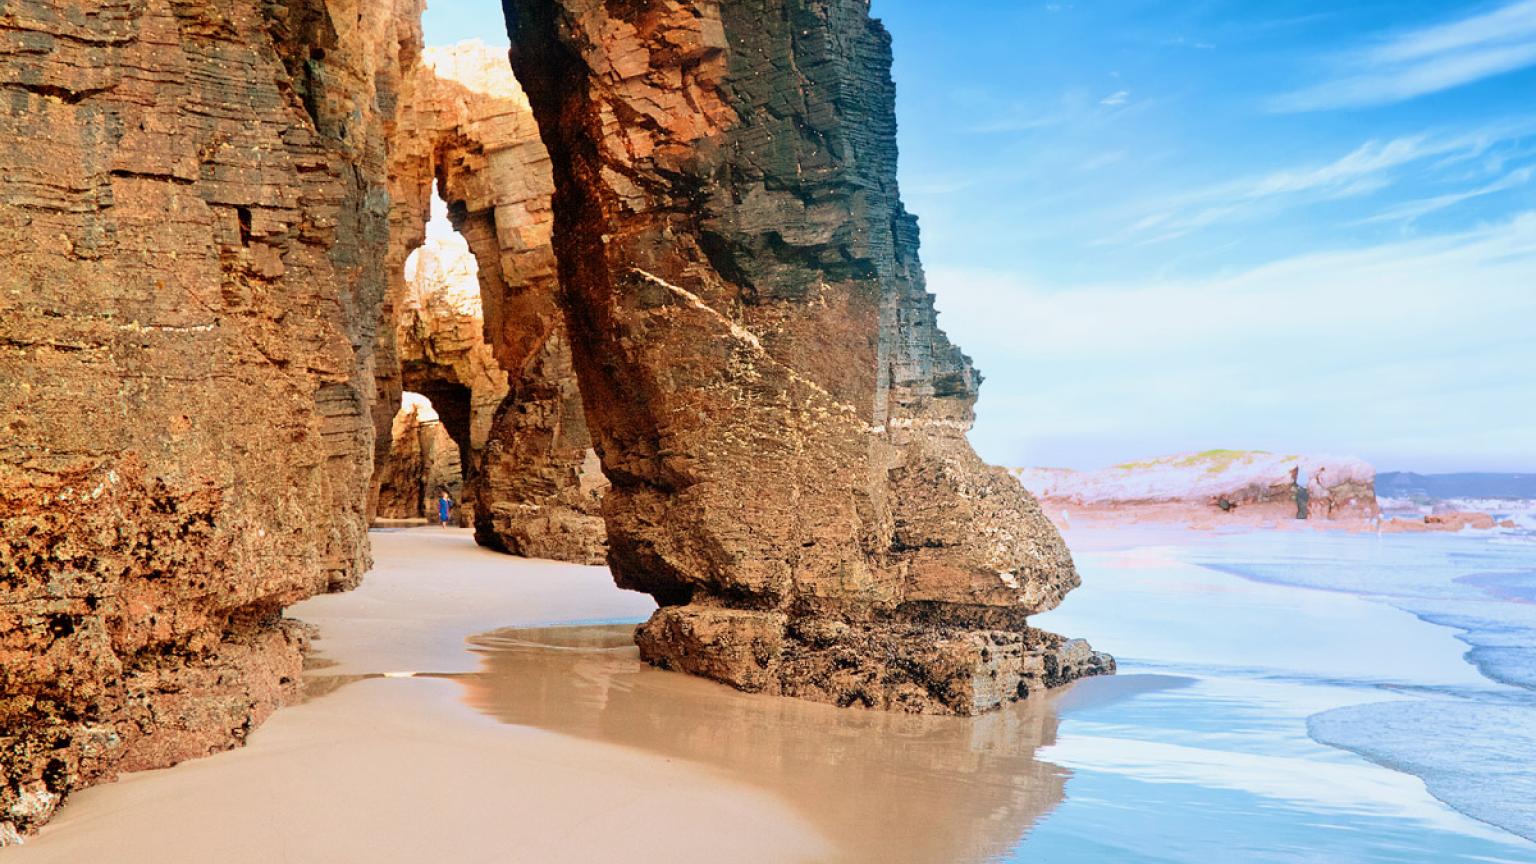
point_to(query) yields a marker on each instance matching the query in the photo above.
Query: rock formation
(192, 206)
(423, 461)
(533, 481)
(780, 416)
(445, 361)
(205, 212)
(1233, 484)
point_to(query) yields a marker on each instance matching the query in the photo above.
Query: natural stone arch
(757, 358)
(424, 461)
(533, 483)
(780, 416)
(440, 341)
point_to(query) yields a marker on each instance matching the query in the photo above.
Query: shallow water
(1334, 698)
(882, 787)
(1281, 696)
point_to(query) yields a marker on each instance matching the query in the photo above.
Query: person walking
(444, 506)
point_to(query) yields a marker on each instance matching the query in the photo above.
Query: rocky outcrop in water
(781, 419)
(1234, 485)
(192, 203)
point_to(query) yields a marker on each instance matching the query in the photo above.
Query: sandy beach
(390, 769)
(467, 706)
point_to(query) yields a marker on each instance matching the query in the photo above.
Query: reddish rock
(532, 480)
(205, 210)
(191, 212)
(1443, 522)
(423, 463)
(781, 419)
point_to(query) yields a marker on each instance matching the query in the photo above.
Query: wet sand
(390, 770)
(436, 732)
(882, 787)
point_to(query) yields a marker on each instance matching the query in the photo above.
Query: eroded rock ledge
(781, 418)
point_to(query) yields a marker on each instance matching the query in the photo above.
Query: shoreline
(436, 732)
(1067, 514)
(401, 769)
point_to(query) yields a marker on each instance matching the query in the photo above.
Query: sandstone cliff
(1237, 483)
(707, 283)
(192, 200)
(780, 416)
(533, 482)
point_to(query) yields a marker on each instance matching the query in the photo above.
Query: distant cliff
(1233, 483)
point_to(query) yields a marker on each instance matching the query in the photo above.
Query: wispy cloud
(1119, 97)
(1186, 42)
(1412, 210)
(1414, 63)
(1370, 167)
(1330, 351)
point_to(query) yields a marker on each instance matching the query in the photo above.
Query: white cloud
(1368, 168)
(1119, 97)
(1415, 354)
(1411, 210)
(1427, 60)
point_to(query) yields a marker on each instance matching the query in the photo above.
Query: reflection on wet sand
(883, 787)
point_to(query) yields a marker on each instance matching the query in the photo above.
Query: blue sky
(1159, 227)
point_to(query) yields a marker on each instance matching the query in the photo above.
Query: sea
(1312, 696)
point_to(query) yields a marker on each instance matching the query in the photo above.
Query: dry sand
(401, 770)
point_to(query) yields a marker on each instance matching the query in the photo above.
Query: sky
(1161, 227)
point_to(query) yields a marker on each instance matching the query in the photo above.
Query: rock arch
(466, 127)
(781, 418)
(205, 209)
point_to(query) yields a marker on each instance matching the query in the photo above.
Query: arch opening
(476, 306)
(425, 462)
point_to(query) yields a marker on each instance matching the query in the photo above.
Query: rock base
(895, 666)
(165, 709)
(543, 531)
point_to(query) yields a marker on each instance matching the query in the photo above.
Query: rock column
(781, 418)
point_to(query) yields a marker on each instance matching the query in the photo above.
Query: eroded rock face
(780, 416)
(533, 481)
(192, 196)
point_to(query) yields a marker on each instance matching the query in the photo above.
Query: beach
(469, 706)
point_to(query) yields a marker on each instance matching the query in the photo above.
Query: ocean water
(1347, 698)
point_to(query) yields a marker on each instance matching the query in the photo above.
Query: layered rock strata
(781, 419)
(533, 482)
(192, 200)
(1233, 485)
(446, 362)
